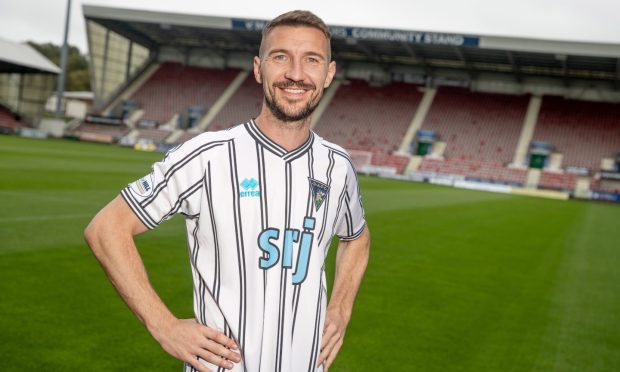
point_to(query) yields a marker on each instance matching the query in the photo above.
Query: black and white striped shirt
(259, 223)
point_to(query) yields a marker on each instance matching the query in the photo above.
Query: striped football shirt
(259, 223)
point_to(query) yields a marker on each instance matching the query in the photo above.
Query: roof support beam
(369, 53)
(471, 72)
(515, 67)
(617, 81)
(428, 71)
(373, 56)
(127, 31)
(565, 78)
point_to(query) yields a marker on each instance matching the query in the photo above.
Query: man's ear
(257, 76)
(331, 71)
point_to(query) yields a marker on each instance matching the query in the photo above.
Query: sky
(574, 20)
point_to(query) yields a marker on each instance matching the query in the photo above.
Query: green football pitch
(458, 280)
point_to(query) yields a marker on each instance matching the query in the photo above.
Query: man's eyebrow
(274, 51)
(315, 54)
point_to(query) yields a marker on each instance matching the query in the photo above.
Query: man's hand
(333, 337)
(187, 340)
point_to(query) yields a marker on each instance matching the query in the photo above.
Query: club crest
(319, 192)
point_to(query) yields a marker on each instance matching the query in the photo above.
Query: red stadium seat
(368, 118)
(477, 126)
(175, 87)
(584, 132)
(242, 106)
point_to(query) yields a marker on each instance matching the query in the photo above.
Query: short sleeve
(351, 221)
(172, 187)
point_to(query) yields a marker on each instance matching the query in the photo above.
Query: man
(262, 202)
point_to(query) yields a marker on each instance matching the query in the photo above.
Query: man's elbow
(111, 223)
(365, 245)
(91, 233)
(365, 238)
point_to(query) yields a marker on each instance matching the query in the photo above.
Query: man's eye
(313, 60)
(279, 57)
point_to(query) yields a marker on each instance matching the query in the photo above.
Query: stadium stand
(370, 118)
(186, 136)
(596, 184)
(477, 126)
(584, 132)
(557, 181)
(243, 105)
(174, 87)
(100, 132)
(479, 170)
(363, 117)
(481, 131)
(8, 120)
(397, 161)
(153, 134)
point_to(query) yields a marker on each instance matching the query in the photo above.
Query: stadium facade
(513, 112)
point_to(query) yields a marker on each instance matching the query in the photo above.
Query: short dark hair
(297, 18)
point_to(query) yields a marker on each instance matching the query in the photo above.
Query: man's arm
(351, 261)
(110, 236)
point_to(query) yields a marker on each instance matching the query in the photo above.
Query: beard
(286, 115)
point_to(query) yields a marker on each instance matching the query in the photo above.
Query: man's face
(294, 69)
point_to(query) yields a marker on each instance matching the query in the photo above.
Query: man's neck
(289, 135)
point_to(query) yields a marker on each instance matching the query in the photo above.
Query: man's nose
(295, 70)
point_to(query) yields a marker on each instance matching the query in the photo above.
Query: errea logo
(250, 188)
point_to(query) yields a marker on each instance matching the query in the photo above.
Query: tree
(78, 78)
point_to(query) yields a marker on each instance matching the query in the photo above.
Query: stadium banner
(377, 34)
(415, 177)
(96, 119)
(610, 176)
(413, 37)
(481, 186)
(605, 196)
(248, 24)
(378, 170)
(32, 133)
(442, 181)
(6, 130)
(95, 137)
(549, 194)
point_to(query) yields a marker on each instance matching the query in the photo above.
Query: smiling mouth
(295, 90)
(294, 87)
